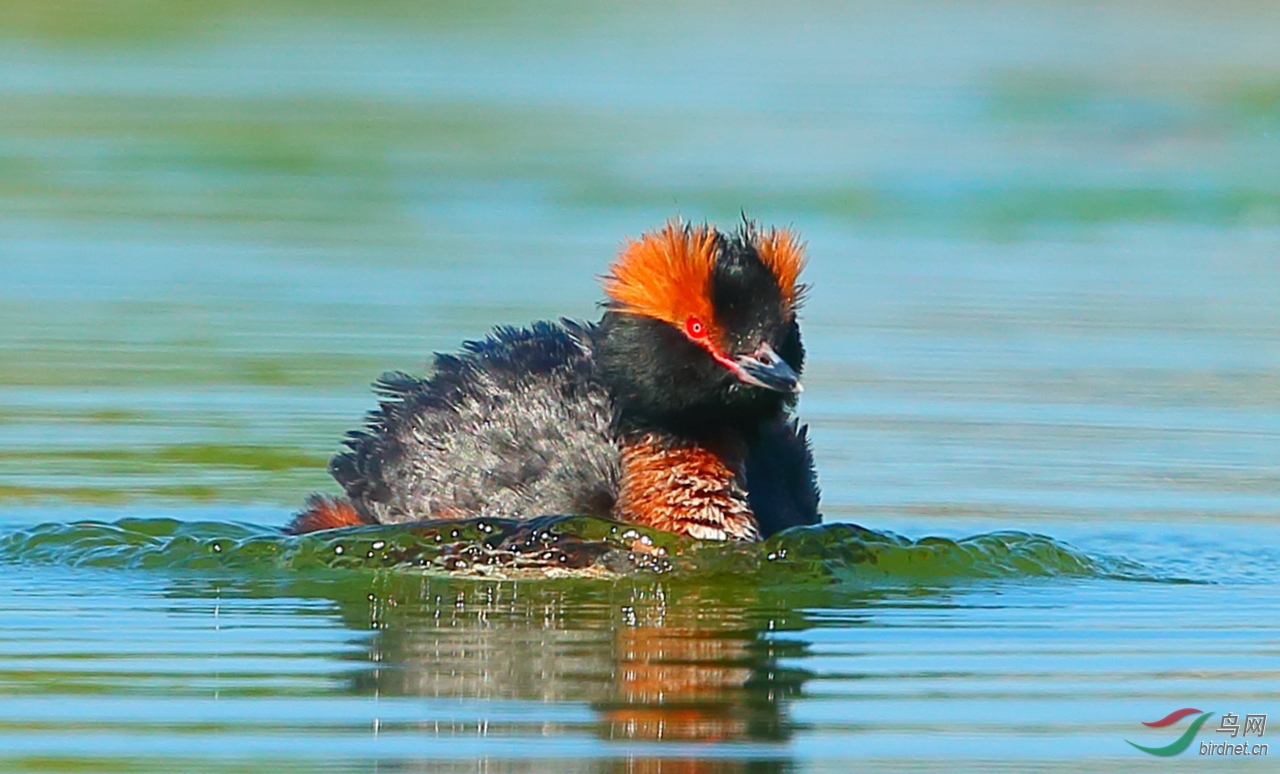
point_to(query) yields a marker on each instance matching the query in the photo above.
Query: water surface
(1044, 246)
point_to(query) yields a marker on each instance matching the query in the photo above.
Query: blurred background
(1044, 236)
(1045, 258)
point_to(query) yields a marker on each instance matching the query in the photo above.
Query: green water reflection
(1043, 244)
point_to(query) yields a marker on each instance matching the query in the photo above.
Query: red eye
(694, 328)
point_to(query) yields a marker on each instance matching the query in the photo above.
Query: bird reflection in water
(656, 661)
(695, 670)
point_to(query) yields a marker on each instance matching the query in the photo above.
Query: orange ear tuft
(783, 253)
(665, 275)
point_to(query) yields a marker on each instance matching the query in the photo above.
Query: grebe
(672, 411)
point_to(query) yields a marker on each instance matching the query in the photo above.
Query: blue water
(1043, 244)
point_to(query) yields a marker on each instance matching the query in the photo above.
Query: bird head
(701, 325)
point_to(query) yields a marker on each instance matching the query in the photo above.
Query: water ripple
(556, 546)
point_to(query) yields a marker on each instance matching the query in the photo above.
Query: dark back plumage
(516, 425)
